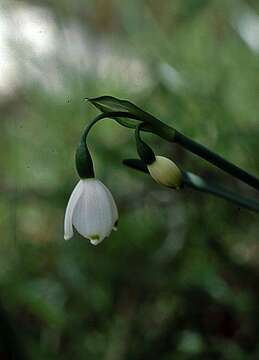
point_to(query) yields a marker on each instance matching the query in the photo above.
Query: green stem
(83, 161)
(109, 115)
(197, 183)
(216, 160)
(144, 151)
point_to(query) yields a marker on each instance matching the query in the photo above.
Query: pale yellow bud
(165, 172)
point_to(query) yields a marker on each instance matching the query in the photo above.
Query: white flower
(165, 172)
(91, 210)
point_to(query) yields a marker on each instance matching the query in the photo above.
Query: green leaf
(110, 104)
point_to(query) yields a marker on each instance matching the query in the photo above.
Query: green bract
(107, 104)
(110, 103)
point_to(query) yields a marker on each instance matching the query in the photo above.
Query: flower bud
(165, 172)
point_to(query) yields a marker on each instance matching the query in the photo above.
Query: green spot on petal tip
(94, 237)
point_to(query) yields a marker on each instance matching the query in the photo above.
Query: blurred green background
(180, 278)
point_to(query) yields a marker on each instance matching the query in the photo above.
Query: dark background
(180, 278)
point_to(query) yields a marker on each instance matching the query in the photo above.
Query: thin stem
(216, 160)
(144, 150)
(199, 184)
(83, 160)
(109, 115)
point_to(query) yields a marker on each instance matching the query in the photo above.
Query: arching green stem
(145, 152)
(83, 160)
(114, 115)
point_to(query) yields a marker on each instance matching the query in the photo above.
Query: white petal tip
(95, 242)
(95, 239)
(67, 237)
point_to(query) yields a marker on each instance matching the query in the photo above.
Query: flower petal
(113, 206)
(95, 242)
(92, 216)
(68, 227)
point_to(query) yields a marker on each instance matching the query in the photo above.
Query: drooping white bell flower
(91, 209)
